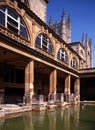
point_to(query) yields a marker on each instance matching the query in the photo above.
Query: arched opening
(12, 21)
(62, 55)
(44, 43)
(74, 63)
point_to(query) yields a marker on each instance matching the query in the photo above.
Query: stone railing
(44, 53)
(37, 98)
(59, 97)
(89, 70)
(56, 98)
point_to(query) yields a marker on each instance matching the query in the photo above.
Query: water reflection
(52, 119)
(75, 117)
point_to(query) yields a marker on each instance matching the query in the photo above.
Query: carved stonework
(17, 38)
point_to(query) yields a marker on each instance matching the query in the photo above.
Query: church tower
(65, 28)
(62, 28)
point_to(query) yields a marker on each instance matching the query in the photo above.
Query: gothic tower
(62, 28)
(65, 28)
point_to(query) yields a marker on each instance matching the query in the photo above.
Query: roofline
(42, 23)
(47, 1)
(78, 42)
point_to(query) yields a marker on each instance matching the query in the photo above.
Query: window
(11, 20)
(43, 42)
(74, 62)
(62, 55)
(15, 75)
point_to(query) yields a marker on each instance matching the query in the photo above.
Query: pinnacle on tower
(69, 20)
(83, 39)
(50, 21)
(86, 39)
(90, 42)
(63, 16)
(63, 13)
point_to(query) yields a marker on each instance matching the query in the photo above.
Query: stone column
(77, 89)
(67, 87)
(53, 83)
(29, 82)
(67, 84)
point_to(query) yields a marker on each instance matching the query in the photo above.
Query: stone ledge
(8, 109)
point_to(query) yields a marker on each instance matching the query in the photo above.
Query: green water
(70, 118)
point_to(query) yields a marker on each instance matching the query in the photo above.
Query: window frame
(44, 43)
(74, 63)
(14, 23)
(62, 55)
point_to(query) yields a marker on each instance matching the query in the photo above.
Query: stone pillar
(67, 87)
(77, 89)
(29, 82)
(67, 84)
(53, 83)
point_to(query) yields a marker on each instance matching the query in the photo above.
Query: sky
(82, 13)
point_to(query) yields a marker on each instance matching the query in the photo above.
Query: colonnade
(29, 83)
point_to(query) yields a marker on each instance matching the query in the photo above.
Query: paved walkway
(7, 109)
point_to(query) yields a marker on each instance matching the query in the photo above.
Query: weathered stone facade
(62, 28)
(34, 59)
(83, 48)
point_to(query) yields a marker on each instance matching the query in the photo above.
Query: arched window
(74, 62)
(62, 55)
(43, 42)
(11, 20)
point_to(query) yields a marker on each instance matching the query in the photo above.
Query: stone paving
(8, 109)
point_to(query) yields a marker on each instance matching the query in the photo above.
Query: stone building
(36, 60)
(62, 28)
(83, 48)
